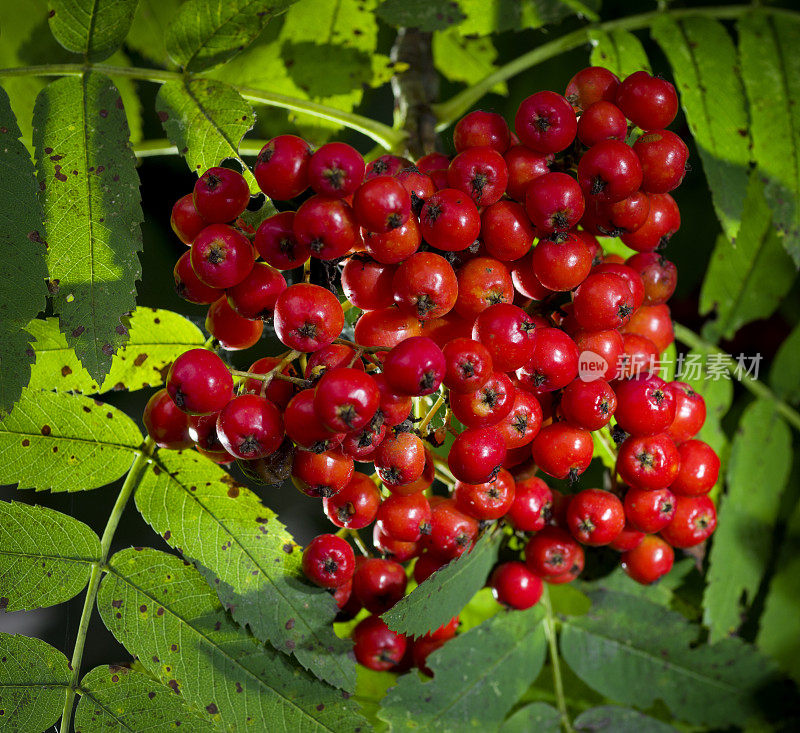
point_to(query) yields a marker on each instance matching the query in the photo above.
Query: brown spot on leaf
(139, 360)
(65, 371)
(163, 116)
(174, 685)
(233, 492)
(121, 330)
(288, 549)
(25, 442)
(3, 603)
(212, 708)
(108, 349)
(116, 604)
(78, 331)
(46, 430)
(290, 624)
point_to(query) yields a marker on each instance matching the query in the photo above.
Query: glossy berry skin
(199, 383)
(327, 226)
(405, 518)
(255, 296)
(381, 204)
(367, 284)
(185, 220)
(590, 85)
(487, 405)
(221, 257)
(481, 173)
(595, 517)
(562, 450)
(629, 275)
(663, 156)
(602, 121)
(554, 202)
(627, 539)
(281, 168)
(277, 244)
(659, 276)
(449, 220)
(468, 365)
(452, 531)
(425, 285)
(640, 356)
(694, 521)
(400, 459)
(379, 584)
(481, 129)
(603, 302)
(490, 500)
(394, 246)
(336, 169)
(220, 195)
(232, 331)
(303, 426)
(618, 217)
(508, 333)
(279, 391)
(649, 511)
(506, 230)
(250, 426)
(648, 561)
(589, 405)
(645, 406)
(553, 363)
(386, 165)
(546, 122)
(420, 187)
(524, 165)
(530, 510)
(663, 220)
(482, 282)
(385, 327)
(376, 646)
(477, 454)
(361, 445)
(561, 264)
(552, 552)
(690, 412)
(609, 171)
(189, 287)
(394, 408)
(307, 317)
(647, 101)
(523, 422)
(649, 462)
(515, 586)
(328, 561)
(345, 399)
(434, 161)
(607, 344)
(387, 545)
(415, 366)
(321, 475)
(699, 469)
(166, 423)
(654, 322)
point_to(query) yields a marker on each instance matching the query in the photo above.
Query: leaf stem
(128, 487)
(755, 386)
(555, 660)
(450, 110)
(162, 146)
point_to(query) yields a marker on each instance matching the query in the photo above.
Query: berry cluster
(520, 351)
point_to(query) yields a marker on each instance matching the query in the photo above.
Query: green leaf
(761, 456)
(157, 338)
(65, 442)
(478, 676)
(439, 598)
(460, 58)
(779, 633)
(784, 377)
(206, 120)
(146, 35)
(635, 652)
(538, 716)
(45, 556)
(705, 66)
(371, 688)
(426, 15)
(206, 33)
(770, 68)
(746, 280)
(22, 266)
(615, 719)
(248, 557)
(92, 28)
(618, 51)
(165, 614)
(90, 193)
(115, 698)
(33, 678)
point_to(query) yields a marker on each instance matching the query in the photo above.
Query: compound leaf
(157, 338)
(770, 68)
(614, 719)
(22, 266)
(618, 51)
(248, 557)
(705, 66)
(441, 596)
(92, 28)
(64, 442)
(538, 716)
(206, 120)
(90, 193)
(45, 556)
(33, 678)
(478, 676)
(115, 698)
(615, 650)
(206, 33)
(165, 613)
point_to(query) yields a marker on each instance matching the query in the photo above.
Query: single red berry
(609, 171)
(415, 366)
(281, 168)
(600, 352)
(487, 405)
(546, 122)
(189, 287)
(553, 363)
(644, 405)
(521, 425)
(629, 275)
(328, 561)
(221, 256)
(482, 282)
(481, 173)
(250, 426)
(420, 187)
(595, 517)
(695, 520)
(532, 505)
(627, 539)
(659, 276)
(552, 552)
(396, 245)
(303, 426)
(356, 505)
(405, 518)
(321, 475)
(554, 202)
(255, 296)
(477, 455)
(613, 219)
(654, 322)
(220, 195)
(327, 226)
(166, 423)
(232, 331)
(336, 169)
(386, 165)
(379, 584)
(452, 531)
(690, 412)
(381, 204)
(307, 317)
(367, 284)
(562, 450)
(562, 263)
(345, 399)
(650, 560)
(203, 431)
(648, 462)
(481, 129)
(199, 382)
(603, 302)
(515, 586)
(376, 646)
(389, 546)
(602, 121)
(425, 285)
(331, 357)
(185, 220)
(385, 327)
(506, 230)
(589, 405)
(449, 220)
(663, 156)
(647, 101)
(393, 408)
(508, 333)
(490, 500)
(649, 511)
(590, 85)
(433, 162)
(524, 165)
(663, 220)
(400, 459)
(699, 469)
(525, 281)
(361, 444)
(468, 365)
(277, 244)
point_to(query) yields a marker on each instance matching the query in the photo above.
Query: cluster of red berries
(529, 349)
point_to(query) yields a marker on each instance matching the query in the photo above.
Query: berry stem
(427, 419)
(365, 349)
(356, 537)
(128, 487)
(755, 386)
(267, 378)
(555, 660)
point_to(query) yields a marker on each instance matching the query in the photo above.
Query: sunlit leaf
(92, 28)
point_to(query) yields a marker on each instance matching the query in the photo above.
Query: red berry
(590, 85)
(281, 168)
(602, 120)
(523, 422)
(615, 218)
(553, 363)
(336, 169)
(166, 423)
(482, 282)
(278, 391)
(449, 220)
(307, 317)
(386, 165)
(552, 552)
(629, 275)
(382, 204)
(345, 399)
(398, 550)
(199, 382)
(515, 586)
(321, 474)
(699, 469)
(232, 331)
(609, 171)
(524, 165)
(452, 531)
(385, 327)
(546, 122)
(562, 450)
(400, 459)
(487, 405)
(663, 220)
(481, 129)
(277, 244)
(694, 521)
(663, 156)
(588, 405)
(647, 101)
(508, 334)
(425, 285)
(415, 366)
(405, 518)
(644, 405)
(477, 455)
(250, 426)
(481, 173)
(659, 276)
(328, 561)
(327, 226)
(649, 511)
(506, 230)
(648, 561)
(562, 263)
(426, 565)
(189, 287)
(654, 322)
(185, 220)
(420, 187)
(627, 539)
(367, 284)
(220, 195)
(303, 426)
(255, 296)
(600, 352)
(356, 505)
(690, 412)
(379, 584)
(376, 646)
(490, 500)
(468, 365)
(595, 517)
(554, 202)
(649, 462)
(395, 245)
(393, 408)
(530, 510)
(221, 256)
(433, 161)
(603, 302)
